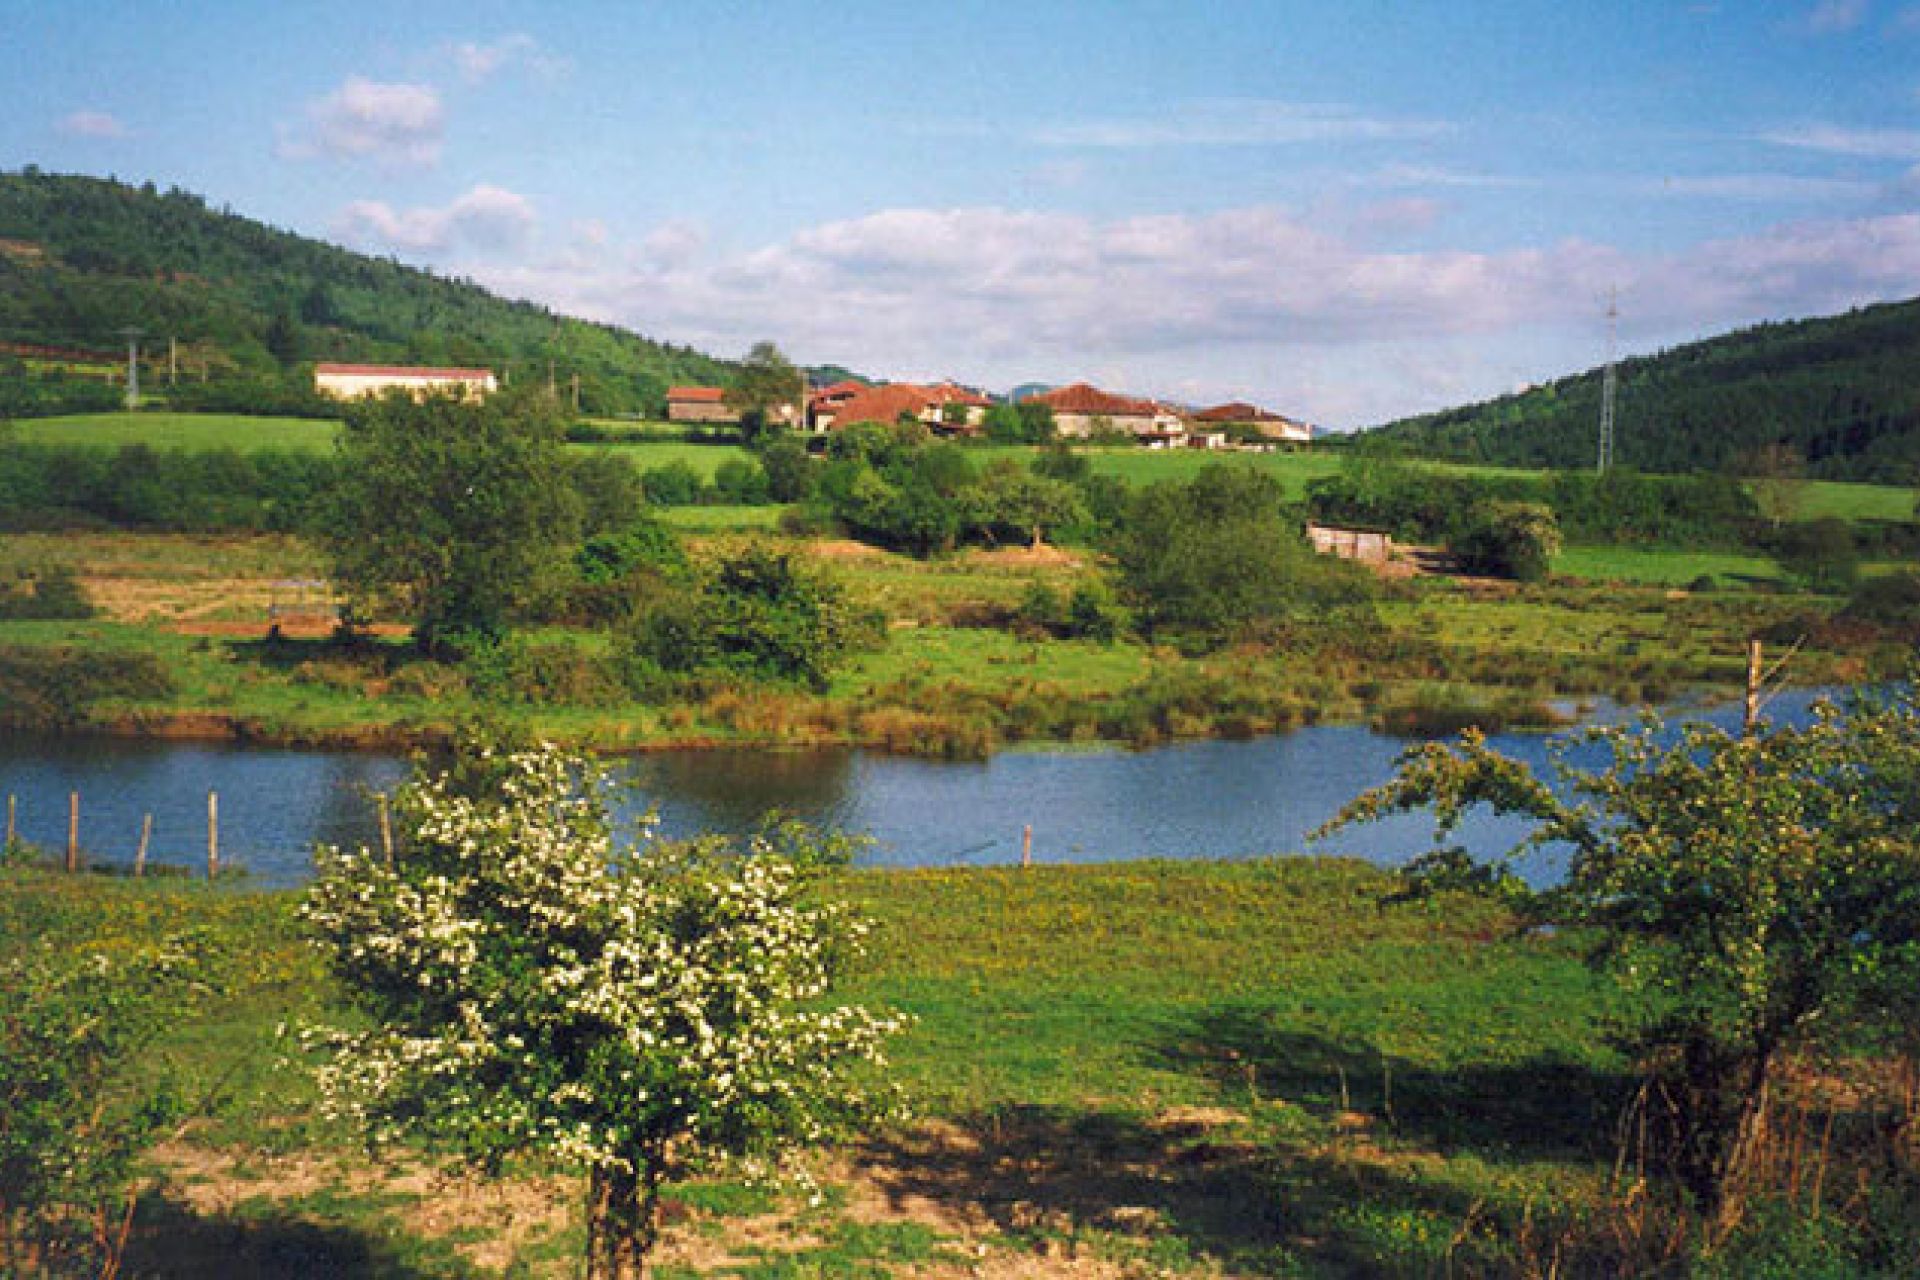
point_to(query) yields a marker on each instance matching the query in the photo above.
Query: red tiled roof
(1082, 398)
(884, 404)
(697, 395)
(954, 393)
(405, 371)
(839, 391)
(1239, 411)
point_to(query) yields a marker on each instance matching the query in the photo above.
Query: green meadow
(161, 430)
(1287, 1072)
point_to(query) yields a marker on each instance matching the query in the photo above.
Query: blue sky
(1345, 212)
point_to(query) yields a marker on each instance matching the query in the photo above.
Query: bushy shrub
(675, 484)
(758, 616)
(742, 483)
(74, 1030)
(1821, 553)
(1892, 599)
(1215, 558)
(1515, 540)
(55, 687)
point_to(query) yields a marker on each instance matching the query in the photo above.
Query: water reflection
(1192, 800)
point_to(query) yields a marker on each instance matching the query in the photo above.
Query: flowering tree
(1745, 890)
(534, 986)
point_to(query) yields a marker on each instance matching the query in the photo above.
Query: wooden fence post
(1751, 721)
(213, 834)
(386, 831)
(140, 858)
(1026, 846)
(73, 832)
(10, 804)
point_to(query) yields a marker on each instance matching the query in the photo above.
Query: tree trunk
(621, 1221)
(1742, 1149)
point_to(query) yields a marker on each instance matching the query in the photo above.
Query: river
(1211, 799)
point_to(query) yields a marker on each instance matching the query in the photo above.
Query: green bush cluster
(1419, 504)
(1508, 540)
(53, 687)
(896, 487)
(757, 616)
(136, 486)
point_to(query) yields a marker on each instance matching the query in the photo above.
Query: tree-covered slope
(247, 304)
(1843, 392)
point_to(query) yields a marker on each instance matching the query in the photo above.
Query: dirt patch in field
(1043, 555)
(843, 549)
(1017, 1196)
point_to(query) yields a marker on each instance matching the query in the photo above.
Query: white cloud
(486, 219)
(478, 62)
(1763, 187)
(1237, 123)
(393, 123)
(1868, 144)
(1246, 299)
(92, 124)
(1412, 175)
(1832, 16)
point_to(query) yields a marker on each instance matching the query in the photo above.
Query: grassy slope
(180, 431)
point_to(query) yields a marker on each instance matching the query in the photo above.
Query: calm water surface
(1191, 800)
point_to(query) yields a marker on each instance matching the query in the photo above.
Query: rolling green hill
(1841, 392)
(248, 307)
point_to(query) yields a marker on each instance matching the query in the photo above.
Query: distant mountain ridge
(1843, 392)
(83, 258)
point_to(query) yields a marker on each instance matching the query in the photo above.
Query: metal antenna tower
(1608, 384)
(133, 368)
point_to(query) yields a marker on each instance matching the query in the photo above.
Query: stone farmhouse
(1266, 425)
(356, 381)
(1081, 410)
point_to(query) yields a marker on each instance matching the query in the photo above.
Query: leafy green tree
(766, 382)
(1011, 500)
(759, 616)
(1215, 558)
(1515, 540)
(78, 1105)
(791, 472)
(1821, 553)
(1745, 891)
(455, 513)
(530, 984)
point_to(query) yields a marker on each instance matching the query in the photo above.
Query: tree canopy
(457, 513)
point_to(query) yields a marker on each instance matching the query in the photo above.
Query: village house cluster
(1080, 412)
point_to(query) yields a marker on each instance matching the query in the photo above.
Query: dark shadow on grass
(1546, 1108)
(172, 1240)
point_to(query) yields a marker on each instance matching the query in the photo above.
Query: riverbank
(1273, 1068)
(957, 676)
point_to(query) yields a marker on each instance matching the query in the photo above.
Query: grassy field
(1822, 498)
(1235, 1052)
(1271, 1068)
(1662, 567)
(180, 431)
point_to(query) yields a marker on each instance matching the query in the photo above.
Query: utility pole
(173, 360)
(1607, 385)
(133, 368)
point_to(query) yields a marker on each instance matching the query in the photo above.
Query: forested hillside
(248, 306)
(1842, 393)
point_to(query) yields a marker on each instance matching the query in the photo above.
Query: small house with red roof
(947, 409)
(1082, 410)
(357, 381)
(1246, 420)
